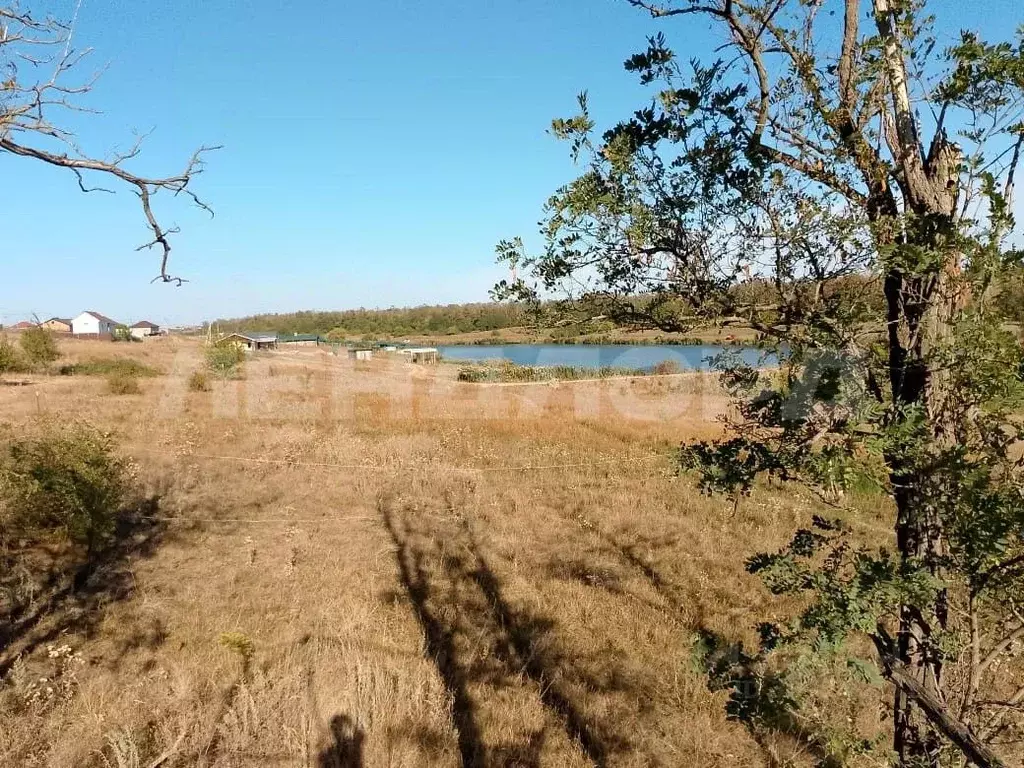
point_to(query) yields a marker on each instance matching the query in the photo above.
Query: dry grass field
(369, 564)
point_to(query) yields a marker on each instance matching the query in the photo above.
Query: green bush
(506, 371)
(224, 359)
(10, 360)
(123, 384)
(66, 480)
(199, 382)
(39, 347)
(123, 333)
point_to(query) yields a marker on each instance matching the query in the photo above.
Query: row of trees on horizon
(424, 320)
(856, 294)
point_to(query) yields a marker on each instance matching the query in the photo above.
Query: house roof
(100, 317)
(145, 324)
(252, 336)
(64, 320)
(25, 324)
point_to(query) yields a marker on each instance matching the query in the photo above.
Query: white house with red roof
(93, 324)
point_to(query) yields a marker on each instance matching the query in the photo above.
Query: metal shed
(422, 354)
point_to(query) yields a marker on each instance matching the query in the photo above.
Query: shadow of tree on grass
(759, 699)
(484, 646)
(47, 596)
(439, 637)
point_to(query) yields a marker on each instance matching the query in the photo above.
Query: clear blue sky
(374, 152)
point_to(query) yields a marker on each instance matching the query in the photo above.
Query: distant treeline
(855, 294)
(586, 318)
(412, 321)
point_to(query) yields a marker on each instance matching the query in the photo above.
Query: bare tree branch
(25, 119)
(659, 11)
(145, 187)
(847, 88)
(1000, 647)
(931, 704)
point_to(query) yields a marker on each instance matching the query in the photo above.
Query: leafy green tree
(9, 359)
(123, 333)
(1010, 296)
(225, 359)
(819, 152)
(39, 346)
(65, 480)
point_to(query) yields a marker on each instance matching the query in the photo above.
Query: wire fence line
(270, 520)
(399, 466)
(620, 460)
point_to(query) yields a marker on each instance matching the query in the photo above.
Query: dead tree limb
(27, 128)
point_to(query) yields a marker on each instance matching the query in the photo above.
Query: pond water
(687, 357)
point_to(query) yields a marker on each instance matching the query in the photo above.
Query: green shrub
(39, 347)
(110, 366)
(506, 371)
(10, 360)
(199, 382)
(224, 359)
(123, 384)
(123, 333)
(66, 480)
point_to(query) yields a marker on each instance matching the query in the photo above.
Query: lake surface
(687, 357)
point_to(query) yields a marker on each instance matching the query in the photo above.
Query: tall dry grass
(349, 564)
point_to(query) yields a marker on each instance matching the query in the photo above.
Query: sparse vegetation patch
(511, 372)
(123, 384)
(198, 381)
(111, 366)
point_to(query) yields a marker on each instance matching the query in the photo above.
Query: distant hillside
(412, 321)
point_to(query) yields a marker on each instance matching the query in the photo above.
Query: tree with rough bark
(838, 146)
(40, 81)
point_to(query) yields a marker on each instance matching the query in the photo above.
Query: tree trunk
(922, 304)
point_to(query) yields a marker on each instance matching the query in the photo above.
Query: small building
(361, 353)
(300, 340)
(93, 324)
(24, 325)
(425, 355)
(145, 328)
(251, 341)
(57, 325)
